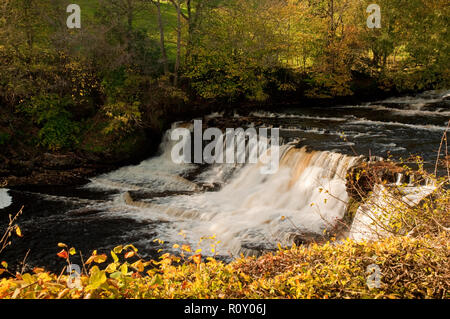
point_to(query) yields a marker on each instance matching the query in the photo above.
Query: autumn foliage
(410, 268)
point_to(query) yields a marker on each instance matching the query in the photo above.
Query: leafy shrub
(123, 117)
(52, 114)
(59, 132)
(419, 207)
(409, 268)
(4, 138)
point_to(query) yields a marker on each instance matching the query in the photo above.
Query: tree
(238, 47)
(162, 43)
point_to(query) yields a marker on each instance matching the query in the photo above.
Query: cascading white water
(372, 219)
(5, 199)
(308, 191)
(307, 194)
(157, 174)
(158, 199)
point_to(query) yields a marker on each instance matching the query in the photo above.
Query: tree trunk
(162, 44)
(177, 5)
(129, 24)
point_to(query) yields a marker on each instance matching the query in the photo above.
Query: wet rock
(20, 167)
(305, 238)
(49, 177)
(59, 161)
(143, 194)
(211, 187)
(256, 249)
(362, 178)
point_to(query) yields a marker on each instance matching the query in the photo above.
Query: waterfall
(372, 219)
(308, 194)
(254, 211)
(157, 174)
(399, 179)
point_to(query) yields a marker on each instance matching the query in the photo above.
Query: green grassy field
(145, 18)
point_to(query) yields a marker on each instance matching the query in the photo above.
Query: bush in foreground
(408, 268)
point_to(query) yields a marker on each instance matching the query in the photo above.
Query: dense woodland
(135, 64)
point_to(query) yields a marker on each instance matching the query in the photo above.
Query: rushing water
(5, 199)
(244, 210)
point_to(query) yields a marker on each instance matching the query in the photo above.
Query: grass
(145, 19)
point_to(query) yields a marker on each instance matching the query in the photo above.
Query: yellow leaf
(118, 249)
(124, 269)
(186, 248)
(111, 268)
(114, 256)
(18, 231)
(100, 258)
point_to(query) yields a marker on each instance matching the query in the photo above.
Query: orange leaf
(63, 254)
(129, 254)
(90, 259)
(197, 258)
(100, 258)
(38, 270)
(184, 285)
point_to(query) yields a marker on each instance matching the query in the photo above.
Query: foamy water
(246, 211)
(308, 192)
(372, 219)
(5, 199)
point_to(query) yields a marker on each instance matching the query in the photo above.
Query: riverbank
(25, 163)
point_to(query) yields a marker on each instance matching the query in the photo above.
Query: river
(227, 209)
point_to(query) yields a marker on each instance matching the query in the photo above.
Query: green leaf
(116, 275)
